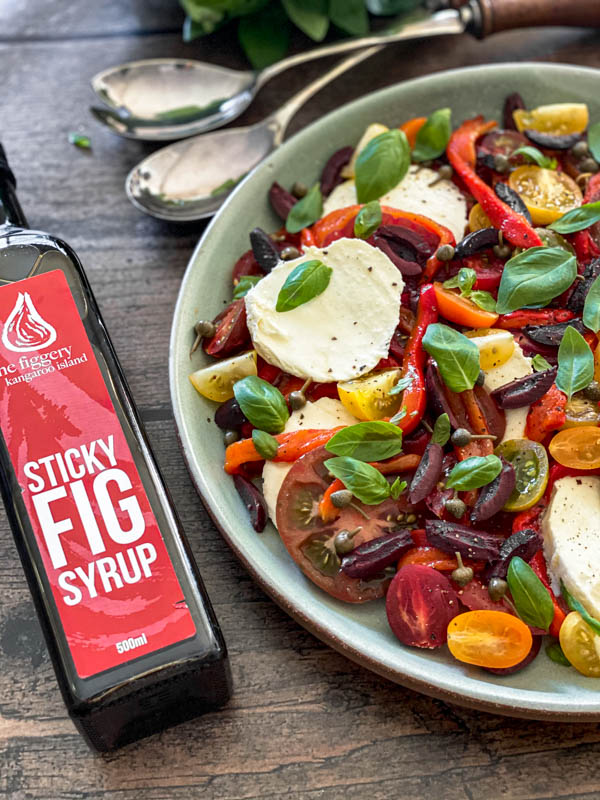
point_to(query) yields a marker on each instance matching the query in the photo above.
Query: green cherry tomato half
(530, 462)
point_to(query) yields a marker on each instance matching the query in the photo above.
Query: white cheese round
(322, 414)
(517, 366)
(571, 529)
(343, 332)
(443, 203)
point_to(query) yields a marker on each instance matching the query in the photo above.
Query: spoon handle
(502, 15)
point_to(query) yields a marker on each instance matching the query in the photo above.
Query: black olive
(229, 415)
(470, 543)
(524, 391)
(253, 500)
(265, 252)
(552, 335)
(476, 241)
(512, 199)
(512, 103)
(551, 140)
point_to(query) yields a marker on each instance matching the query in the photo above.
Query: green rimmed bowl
(544, 690)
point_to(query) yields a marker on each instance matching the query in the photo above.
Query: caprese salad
(408, 379)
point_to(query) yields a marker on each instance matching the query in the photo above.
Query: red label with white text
(113, 582)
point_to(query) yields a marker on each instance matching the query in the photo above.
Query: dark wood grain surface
(304, 722)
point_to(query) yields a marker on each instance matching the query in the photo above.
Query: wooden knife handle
(502, 15)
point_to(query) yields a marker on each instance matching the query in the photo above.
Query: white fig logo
(25, 329)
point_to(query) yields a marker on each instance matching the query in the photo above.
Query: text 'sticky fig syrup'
(132, 636)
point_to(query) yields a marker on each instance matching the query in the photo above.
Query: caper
(445, 172)
(497, 588)
(290, 252)
(501, 163)
(342, 498)
(204, 329)
(461, 575)
(297, 400)
(299, 189)
(461, 437)
(411, 519)
(445, 253)
(229, 437)
(480, 378)
(589, 165)
(502, 250)
(580, 149)
(456, 507)
(592, 391)
(343, 541)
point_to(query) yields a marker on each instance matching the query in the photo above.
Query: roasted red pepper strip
(414, 397)
(586, 247)
(538, 565)
(546, 414)
(461, 153)
(291, 446)
(327, 510)
(519, 319)
(529, 518)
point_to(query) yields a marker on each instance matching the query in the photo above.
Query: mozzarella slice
(343, 332)
(571, 530)
(322, 414)
(517, 366)
(443, 203)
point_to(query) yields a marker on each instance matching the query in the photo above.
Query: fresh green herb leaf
(402, 384)
(555, 653)
(575, 605)
(483, 299)
(575, 363)
(367, 220)
(80, 140)
(305, 282)
(540, 364)
(441, 430)
(349, 15)
(531, 598)
(591, 307)
(363, 480)
(457, 357)
(535, 156)
(367, 441)
(534, 277)
(398, 416)
(433, 137)
(266, 445)
(397, 488)
(381, 165)
(310, 16)
(578, 218)
(262, 404)
(594, 140)
(389, 8)
(264, 35)
(306, 211)
(206, 19)
(245, 283)
(463, 280)
(474, 472)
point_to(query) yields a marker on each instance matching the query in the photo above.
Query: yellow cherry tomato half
(495, 346)
(581, 411)
(216, 381)
(580, 645)
(478, 219)
(368, 397)
(558, 118)
(546, 193)
(530, 462)
(578, 448)
(489, 639)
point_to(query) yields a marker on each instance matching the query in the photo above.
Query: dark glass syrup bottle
(133, 638)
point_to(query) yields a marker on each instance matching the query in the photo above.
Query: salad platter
(433, 480)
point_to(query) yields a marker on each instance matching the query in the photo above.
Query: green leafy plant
(465, 280)
(367, 441)
(434, 136)
(531, 598)
(575, 363)
(381, 165)
(534, 277)
(367, 220)
(457, 357)
(363, 480)
(262, 404)
(474, 472)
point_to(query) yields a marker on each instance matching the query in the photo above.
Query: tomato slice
(309, 540)
(530, 462)
(368, 397)
(496, 346)
(232, 331)
(581, 411)
(489, 639)
(580, 645)
(461, 310)
(478, 219)
(578, 448)
(557, 118)
(546, 193)
(216, 381)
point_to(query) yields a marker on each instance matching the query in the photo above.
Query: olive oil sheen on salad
(133, 638)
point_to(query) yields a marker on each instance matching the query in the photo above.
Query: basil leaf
(540, 364)
(265, 444)
(433, 137)
(578, 218)
(402, 384)
(534, 277)
(310, 16)
(474, 472)
(262, 404)
(363, 480)
(575, 363)
(245, 283)
(80, 140)
(367, 441)
(536, 156)
(305, 282)
(591, 307)
(463, 280)
(264, 35)
(457, 357)
(484, 300)
(306, 211)
(381, 165)
(367, 220)
(399, 415)
(531, 598)
(397, 488)
(575, 605)
(441, 430)
(555, 653)
(594, 140)
(349, 15)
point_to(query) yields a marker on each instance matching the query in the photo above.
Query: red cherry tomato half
(232, 332)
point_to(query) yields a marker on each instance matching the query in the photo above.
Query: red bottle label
(113, 582)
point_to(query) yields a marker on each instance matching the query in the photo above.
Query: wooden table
(304, 722)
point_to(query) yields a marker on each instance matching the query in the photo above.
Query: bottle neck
(11, 213)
